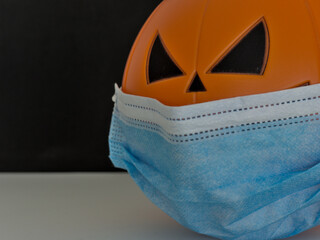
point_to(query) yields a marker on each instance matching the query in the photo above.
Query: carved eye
(161, 63)
(249, 54)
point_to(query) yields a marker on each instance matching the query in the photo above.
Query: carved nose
(197, 85)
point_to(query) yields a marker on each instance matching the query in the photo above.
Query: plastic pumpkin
(240, 168)
(193, 51)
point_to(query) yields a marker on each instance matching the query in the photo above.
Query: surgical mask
(239, 168)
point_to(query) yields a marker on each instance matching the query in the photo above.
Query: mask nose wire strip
(287, 106)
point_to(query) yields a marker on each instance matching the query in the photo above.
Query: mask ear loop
(114, 97)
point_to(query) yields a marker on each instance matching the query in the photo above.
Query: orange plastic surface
(198, 33)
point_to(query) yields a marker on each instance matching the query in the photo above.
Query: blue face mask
(240, 168)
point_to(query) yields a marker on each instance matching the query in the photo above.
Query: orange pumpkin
(193, 51)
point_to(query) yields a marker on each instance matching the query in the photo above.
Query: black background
(59, 60)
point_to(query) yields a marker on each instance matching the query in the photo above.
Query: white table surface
(77, 206)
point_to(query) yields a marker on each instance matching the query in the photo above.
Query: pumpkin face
(193, 51)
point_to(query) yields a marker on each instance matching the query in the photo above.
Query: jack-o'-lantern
(233, 166)
(193, 51)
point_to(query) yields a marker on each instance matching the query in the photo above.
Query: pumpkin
(194, 51)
